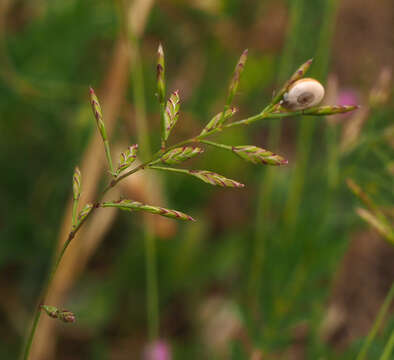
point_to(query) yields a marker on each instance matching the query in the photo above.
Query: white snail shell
(303, 94)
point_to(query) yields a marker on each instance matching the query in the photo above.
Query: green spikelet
(180, 154)
(83, 215)
(218, 120)
(215, 179)
(258, 155)
(171, 113)
(63, 315)
(130, 205)
(77, 184)
(239, 68)
(127, 158)
(330, 109)
(66, 316)
(98, 115)
(51, 311)
(160, 73)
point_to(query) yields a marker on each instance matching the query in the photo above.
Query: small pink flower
(347, 97)
(158, 350)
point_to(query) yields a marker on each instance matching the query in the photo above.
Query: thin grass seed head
(212, 178)
(258, 155)
(64, 315)
(239, 68)
(171, 113)
(180, 154)
(76, 184)
(131, 205)
(84, 212)
(160, 73)
(127, 158)
(98, 114)
(51, 311)
(218, 120)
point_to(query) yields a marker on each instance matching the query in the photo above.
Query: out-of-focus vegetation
(285, 269)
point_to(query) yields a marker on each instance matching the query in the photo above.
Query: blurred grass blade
(381, 227)
(377, 324)
(388, 349)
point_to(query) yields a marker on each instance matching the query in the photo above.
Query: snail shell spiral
(303, 94)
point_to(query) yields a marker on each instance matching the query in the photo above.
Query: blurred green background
(284, 269)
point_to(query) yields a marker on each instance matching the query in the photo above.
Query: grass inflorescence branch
(182, 151)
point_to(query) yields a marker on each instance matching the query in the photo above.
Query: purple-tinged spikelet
(63, 315)
(258, 155)
(98, 114)
(330, 109)
(239, 68)
(130, 205)
(171, 113)
(160, 73)
(127, 158)
(180, 154)
(215, 179)
(76, 184)
(218, 120)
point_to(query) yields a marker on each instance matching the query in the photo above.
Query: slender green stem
(108, 155)
(75, 210)
(378, 322)
(220, 146)
(388, 349)
(29, 341)
(163, 124)
(37, 315)
(164, 168)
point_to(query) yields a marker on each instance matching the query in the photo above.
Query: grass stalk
(377, 324)
(267, 177)
(149, 239)
(388, 349)
(305, 135)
